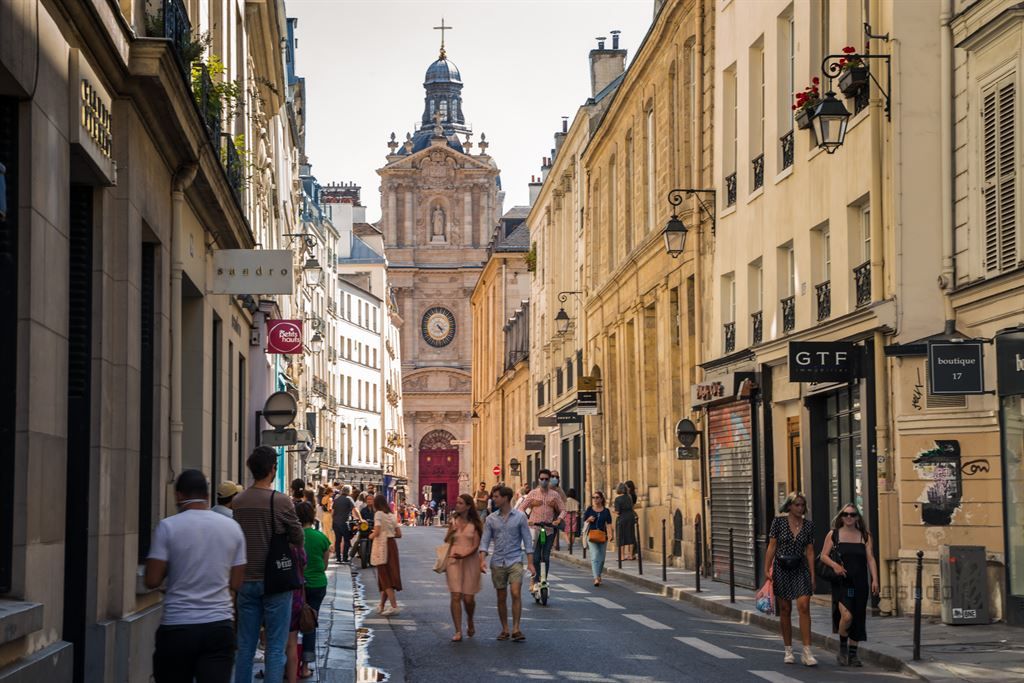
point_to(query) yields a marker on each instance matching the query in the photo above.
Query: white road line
(605, 602)
(708, 648)
(569, 588)
(774, 677)
(648, 622)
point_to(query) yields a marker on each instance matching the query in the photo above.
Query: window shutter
(999, 188)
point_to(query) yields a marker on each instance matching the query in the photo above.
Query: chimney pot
(565, 124)
(615, 39)
(600, 42)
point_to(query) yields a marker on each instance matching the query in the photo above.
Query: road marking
(569, 588)
(605, 602)
(706, 647)
(648, 622)
(774, 677)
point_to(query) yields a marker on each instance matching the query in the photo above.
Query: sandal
(503, 636)
(518, 636)
(457, 638)
(471, 631)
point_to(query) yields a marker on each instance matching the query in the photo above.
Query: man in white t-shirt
(202, 556)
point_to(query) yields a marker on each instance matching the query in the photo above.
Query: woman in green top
(318, 549)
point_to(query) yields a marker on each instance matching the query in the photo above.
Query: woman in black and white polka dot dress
(790, 558)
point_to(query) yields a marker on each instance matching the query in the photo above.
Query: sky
(523, 62)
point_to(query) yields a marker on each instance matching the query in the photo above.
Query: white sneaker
(394, 610)
(808, 658)
(789, 658)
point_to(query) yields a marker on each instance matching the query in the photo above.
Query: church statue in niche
(437, 225)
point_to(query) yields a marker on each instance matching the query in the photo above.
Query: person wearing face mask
(556, 480)
(543, 506)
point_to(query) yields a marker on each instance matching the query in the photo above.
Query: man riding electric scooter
(546, 513)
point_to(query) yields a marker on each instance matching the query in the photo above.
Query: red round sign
(497, 470)
(284, 336)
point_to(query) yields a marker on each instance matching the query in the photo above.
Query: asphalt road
(609, 633)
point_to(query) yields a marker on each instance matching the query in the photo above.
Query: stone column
(467, 218)
(409, 222)
(391, 217)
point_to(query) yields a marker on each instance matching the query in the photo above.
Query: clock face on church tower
(438, 326)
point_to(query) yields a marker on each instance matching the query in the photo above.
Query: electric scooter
(540, 589)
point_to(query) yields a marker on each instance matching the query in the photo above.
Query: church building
(439, 204)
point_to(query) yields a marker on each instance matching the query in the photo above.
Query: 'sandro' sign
(823, 361)
(956, 367)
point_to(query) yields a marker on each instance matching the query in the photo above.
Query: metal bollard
(698, 554)
(917, 607)
(664, 554)
(618, 546)
(639, 549)
(571, 526)
(732, 570)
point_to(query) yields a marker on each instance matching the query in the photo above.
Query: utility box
(963, 581)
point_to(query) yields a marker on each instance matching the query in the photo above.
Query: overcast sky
(523, 62)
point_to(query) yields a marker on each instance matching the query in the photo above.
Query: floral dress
(792, 583)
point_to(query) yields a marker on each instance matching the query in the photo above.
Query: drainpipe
(183, 178)
(698, 278)
(947, 277)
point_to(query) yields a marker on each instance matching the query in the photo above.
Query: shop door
(731, 472)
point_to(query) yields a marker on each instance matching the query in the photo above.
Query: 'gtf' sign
(823, 361)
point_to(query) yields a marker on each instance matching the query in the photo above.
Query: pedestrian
(597, 518)
(298, 488)
(201, 554)
(545, 507)
(318, 551)
(858, 580)
(481, 498)
(384, 555)
(509, 531)
(226, 492)
(343, 507)
(524, 491)
(790, 559)
(327, 513)
(442, 512)
(631, 490)
(263, 512)
(625, 524)
(572, 515)
(291, 650)
(463, 570)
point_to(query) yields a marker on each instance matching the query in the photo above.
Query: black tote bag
(281, 572)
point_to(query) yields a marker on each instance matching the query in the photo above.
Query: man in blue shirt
(509, 531)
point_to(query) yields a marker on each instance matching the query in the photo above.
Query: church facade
(439, 203)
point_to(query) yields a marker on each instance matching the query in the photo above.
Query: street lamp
(316, 344)
(475, 417)
(831, 116)
(675, 231)
(675, 236)
(312, 272)
(562, 318)
(830, 121)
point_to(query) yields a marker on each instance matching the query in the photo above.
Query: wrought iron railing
(332, 308)
(862, 283)
(757, 327)
(786, 142)
(319, 386)
(233, 165)
(788, 314)
(758, 167)
(729, 334)
(823, 292)
(730, 189)
(169, 19)
(208, 102)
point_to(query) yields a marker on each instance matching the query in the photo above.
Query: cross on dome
(442, 28)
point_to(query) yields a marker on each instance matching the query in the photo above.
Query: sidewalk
(948, 653)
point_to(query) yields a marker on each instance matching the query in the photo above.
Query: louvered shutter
(999, 188)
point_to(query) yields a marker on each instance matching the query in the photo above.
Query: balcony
(756, 327)
(207, 101)
(757, 165)
(862, 283)
(319, 386)
(730, 189)
(729, 335)
(232, 165)
(823, 293)
(169, 19)
(332, 308)
(786, 142)
(788, 314)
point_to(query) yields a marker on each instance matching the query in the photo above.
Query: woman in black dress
(625, 524)
(790, 559)
(858, 580)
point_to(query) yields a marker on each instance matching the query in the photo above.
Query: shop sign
(252, 271)
(535, 442)
(822, 361)
(547, 421)
(1010, 363)
(956, 368)
(586, 383)
(711, 391)
(90, 126)
(284, 336)
(569, 418)
(586, 403)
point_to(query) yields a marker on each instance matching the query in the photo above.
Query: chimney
(535, 185)
(565, 123)
(606, 65)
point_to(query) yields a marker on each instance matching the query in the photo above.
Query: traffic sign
(279, 409)
(275, 437)
(496, 471)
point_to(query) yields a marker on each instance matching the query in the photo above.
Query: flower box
(853, 81)
(803, 117)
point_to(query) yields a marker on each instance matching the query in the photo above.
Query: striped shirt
(252, 512)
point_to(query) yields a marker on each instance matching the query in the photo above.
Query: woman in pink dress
(463, 571)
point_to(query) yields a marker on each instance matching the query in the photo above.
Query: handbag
(280, 571)
(308, 618)
(441, 562)
(825, 571)
(790, 562)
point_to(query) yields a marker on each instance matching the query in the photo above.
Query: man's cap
(228, 488)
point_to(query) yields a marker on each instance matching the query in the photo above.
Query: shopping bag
(765, 599)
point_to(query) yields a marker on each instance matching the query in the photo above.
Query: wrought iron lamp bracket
(308, 238)
(831, 69)
(564, 296)
(676, 196)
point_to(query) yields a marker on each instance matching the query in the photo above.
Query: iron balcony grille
(207, 101)
(786, 141)
(729, 330)
(169, 19)
(823, 292)
(730, 189)
(862, 283)
(788, 314)
(758, 166)
(757, 327)
(232, 165)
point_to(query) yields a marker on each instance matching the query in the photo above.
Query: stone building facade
(439, 203)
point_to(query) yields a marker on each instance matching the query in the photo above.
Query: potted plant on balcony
(804, 104)
(853, 73)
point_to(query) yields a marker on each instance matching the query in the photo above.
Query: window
(999, 177)
(826, 254)
(673, 123)
(865, 233)
(756, 122)
(540, 394)
(821, 17)
(558, 382)
(629, 185)
(570, 376)
(786, 87)
(729, 298)
(651, 170)
(731, 107)
(756, 286)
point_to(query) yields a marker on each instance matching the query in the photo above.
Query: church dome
(442, 71)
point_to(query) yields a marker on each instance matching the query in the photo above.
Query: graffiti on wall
(940, 466)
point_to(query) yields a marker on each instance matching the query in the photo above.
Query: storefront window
(1013, 463)
(846, 464)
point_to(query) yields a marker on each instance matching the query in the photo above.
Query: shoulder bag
(280, 572)
(308, 618)
(441, 561)
(824, 570)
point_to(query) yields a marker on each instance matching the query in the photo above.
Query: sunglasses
(544, 479)
(849, 514)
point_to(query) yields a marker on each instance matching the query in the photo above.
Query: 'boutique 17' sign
(956, 367)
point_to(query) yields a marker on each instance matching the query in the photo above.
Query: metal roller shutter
(731, 466)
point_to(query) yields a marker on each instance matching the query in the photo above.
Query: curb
(881, 655)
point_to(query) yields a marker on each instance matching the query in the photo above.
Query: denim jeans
(542, 552)
(315, 597)
(597, 551)
(275, 613)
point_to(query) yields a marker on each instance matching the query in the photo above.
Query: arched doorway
(439, 467)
